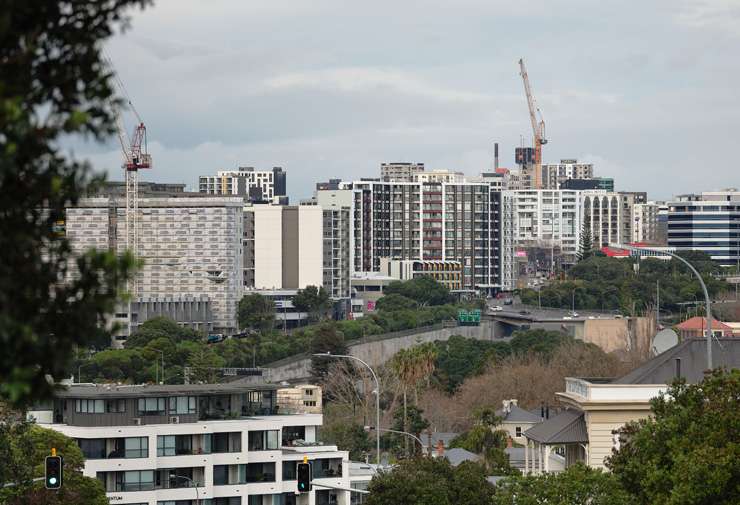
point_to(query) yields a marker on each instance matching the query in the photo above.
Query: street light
(708, 331)
(192, 484)
(421, 444)
(377, 394)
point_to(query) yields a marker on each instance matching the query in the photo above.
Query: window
(151, 406)
(115, 406)
(136, 480)
(225, 442)
(166, 445)
(136, 447)
(263, 440)
(220, 475)
(92, 448)
(289, 470)
(90, 406)
(518, 431)
(182, 405)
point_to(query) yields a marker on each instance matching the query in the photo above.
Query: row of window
(146, 406)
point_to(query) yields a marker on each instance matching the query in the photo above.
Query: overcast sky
(646, 90)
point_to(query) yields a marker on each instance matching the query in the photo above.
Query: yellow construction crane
(538, 127)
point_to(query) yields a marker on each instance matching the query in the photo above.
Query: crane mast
(538, 126)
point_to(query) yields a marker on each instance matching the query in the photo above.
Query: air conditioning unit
(137, 421)
(175, 420)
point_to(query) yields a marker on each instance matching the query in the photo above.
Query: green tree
(23, 447)
(411, 420)
(688, 451)
(256, 312)
(541, 342)
(53, 84)
(430, 481)
(315, 301)
(586, 244)
(348, 436)
(459, 358)
(483, 439)
(577, 485)
(326, 338)
(394, 301)
(203, 362)
(160, 327)
(423, 290)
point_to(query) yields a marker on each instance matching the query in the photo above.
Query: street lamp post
(421, 444)
(708, 330)
(162, 353)
(377, 395)
(192, 484)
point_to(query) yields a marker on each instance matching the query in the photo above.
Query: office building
(605, 183)
(709, 222)
(330, 185)
(440, 221)
(555, 174)
(192, 252)
(400, 171)
(447, 273)
(257, 186)
(219, 444)
(645, 223)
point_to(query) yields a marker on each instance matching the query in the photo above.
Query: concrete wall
(268, 247)
(619, 334)
(310, 246)
(378, 350)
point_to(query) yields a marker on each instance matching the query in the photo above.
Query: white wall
(310, 246)
(268, 246)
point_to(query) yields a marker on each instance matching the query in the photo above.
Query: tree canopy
(688, 451)
(23, 447)
(314, 300)
(423, 290)
(326, 339)
(54, 83)
(256, 312)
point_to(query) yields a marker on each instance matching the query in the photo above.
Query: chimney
(514, 402)
(440, 448)
(495, 156)
(542, 410)
(507, 407)
(678, 368)
(547, 411)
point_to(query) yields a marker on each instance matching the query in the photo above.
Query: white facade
(609, 216)
(262, 185)
(645, 222)
(400, 171)
(439, 176)
(191, 246)
(268, 246)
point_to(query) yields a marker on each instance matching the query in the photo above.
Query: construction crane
(538, 126)
(135, 158)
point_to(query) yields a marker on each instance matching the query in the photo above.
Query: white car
(496, 308)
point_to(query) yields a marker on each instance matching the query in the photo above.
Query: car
(524, 312)
(508, 301)
(573, 314)
(495, 308)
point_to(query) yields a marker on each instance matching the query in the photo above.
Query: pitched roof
(693, 355)
(568, 427)
(517, 414)
(458, 455)
(445, 437)
(699, 323)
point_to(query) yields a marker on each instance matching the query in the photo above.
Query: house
(431, 440)
(457, 455)
(696, 326)
(516, 420)
(596, 408)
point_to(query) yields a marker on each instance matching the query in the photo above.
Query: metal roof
(693, 355)
(125, 391)
(458, 455)
(517, 414)
(568, 427)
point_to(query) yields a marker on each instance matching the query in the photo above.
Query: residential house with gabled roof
(516, 420)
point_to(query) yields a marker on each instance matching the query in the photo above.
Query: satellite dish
(664, 340)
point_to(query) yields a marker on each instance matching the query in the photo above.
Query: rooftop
(517, 414)
(699, 323)
(568, 427)
(131, 391)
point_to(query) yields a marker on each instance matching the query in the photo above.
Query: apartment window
(136, 447)
(136, 480)
(263, 440)
(518, 431)
(182, 405)
(90, 406)
(115, 406)
(289, 470)
(225, 442)
(151, 406)
(166, 445)
(93, 448)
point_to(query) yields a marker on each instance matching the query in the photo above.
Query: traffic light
(304, 477)
(53, 473)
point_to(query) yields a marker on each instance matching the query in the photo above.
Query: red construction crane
(538, 127)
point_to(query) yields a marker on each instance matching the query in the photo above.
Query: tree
(485, 440)
(53, 84)
(460, 357)
(203, 362)
(411, 420)
(430, 481)
(256, 312)
(586, 244)
(348, 436)
(161, 327)
(423, 290)
(688, 451)
(315, 301)
(326, 338)
(577, 485)
(23, 447)
(395, 301)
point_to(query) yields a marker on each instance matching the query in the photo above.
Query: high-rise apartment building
(554, 174)
(257, 186)
(192, 252)
(645, 223)
(400, 171)
(709, 222)
(609, 216)
(457, 221)
(218, 444)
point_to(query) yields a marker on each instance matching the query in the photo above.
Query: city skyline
(270, 86)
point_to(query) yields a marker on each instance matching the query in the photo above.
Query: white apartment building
(205, 444)
(645, 223)
(191, 247)
(283, 246)
(400, 171)
(252, 185)
(609, 215)
(438, 176)
(554, 174)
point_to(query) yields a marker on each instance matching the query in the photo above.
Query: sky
(646, 90)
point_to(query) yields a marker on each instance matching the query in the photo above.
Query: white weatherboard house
(205, 444)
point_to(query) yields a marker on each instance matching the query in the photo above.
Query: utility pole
(657, 297)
